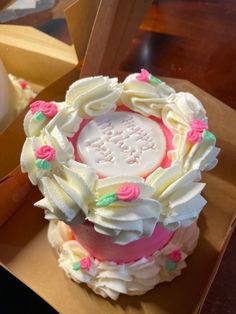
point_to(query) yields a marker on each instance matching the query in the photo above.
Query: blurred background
(189, 39)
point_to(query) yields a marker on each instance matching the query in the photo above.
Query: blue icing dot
(170, 265)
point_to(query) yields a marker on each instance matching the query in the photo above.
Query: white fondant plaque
(122, 143)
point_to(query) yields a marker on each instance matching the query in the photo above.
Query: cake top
(123, 156)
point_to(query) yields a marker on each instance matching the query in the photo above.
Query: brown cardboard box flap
(102, 30)
(80, 18)
(24, 248)
(5, 3)
(14, 188)
(33, 55)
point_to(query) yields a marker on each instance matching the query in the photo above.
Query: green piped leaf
(106, 200)
(208, 136)
(76, 266)
(43, 164)
(170, 265)
(155, 80)
(39, 116)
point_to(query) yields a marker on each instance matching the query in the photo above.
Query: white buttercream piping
(109, 279)
(25, 95)
(180, 110)
(144, 97)
(201, 155)
(179, 195)
(94, 96)
(71, 190)
(63, 149)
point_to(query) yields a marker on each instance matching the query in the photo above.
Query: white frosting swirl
(70, 253)
(67, 196)
(125, 221)
(170, 196)
(63, 148)
(67, 120)
(145, 98)
(201, 155)
(180, 110)
(71, 194)
(25, 95)
(185, 239)
(179, 194)
(109, 279)
(94, 96)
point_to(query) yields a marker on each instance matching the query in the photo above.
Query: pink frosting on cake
(102, 248)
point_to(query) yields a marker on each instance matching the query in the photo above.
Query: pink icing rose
(36, 106)
(49, 109)
(128, 192)
(85, 263)
(143, 76)
(198, 125)
(23, 84)
(45, 152)
(194, 136)
(175, 256)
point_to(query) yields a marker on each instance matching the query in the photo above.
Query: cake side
(108, 278)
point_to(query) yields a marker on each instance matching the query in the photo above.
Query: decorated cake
(119, 167)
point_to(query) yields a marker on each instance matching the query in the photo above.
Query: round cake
(119, 166)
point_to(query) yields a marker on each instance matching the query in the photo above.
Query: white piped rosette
(126, 208)
(110, 279)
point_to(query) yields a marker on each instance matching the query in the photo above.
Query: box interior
(25, 251)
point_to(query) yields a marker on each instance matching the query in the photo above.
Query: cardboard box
(44, 59)
(28, 255)
(41, 59)
(25, 251)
